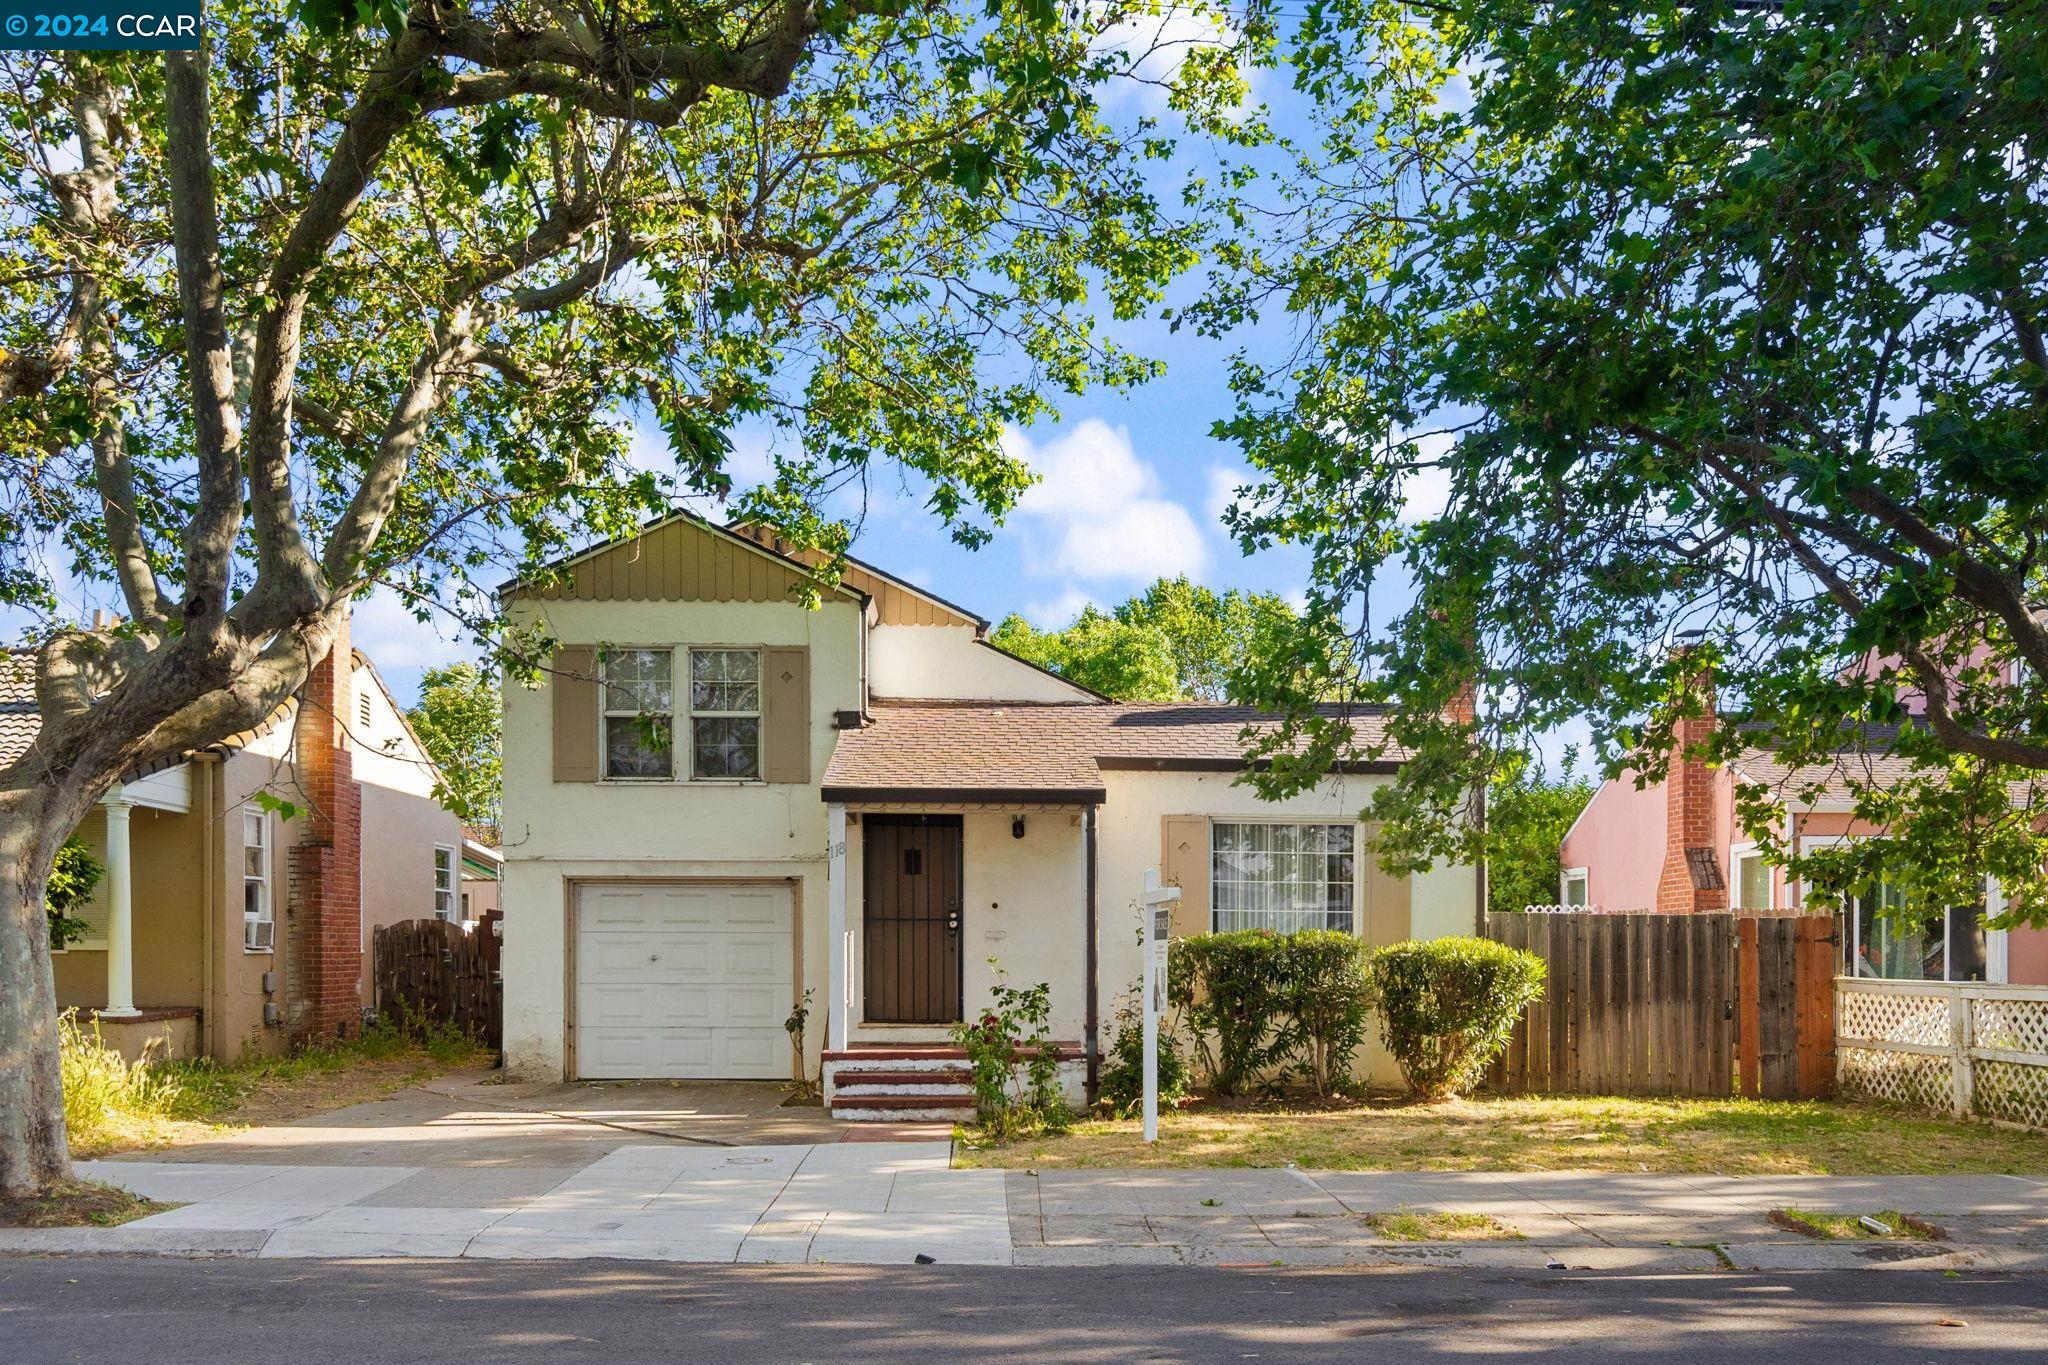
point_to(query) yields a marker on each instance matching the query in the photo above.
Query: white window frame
(1736, 854)
(444, 896)
(606, 714)
(259, 822)
(1357, 882)
(687, 732)
(1579, 877)
(1995, 943)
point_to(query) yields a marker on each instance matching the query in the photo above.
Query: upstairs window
(725, 714)
(639, 714)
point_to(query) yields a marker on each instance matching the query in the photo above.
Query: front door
(911, 888)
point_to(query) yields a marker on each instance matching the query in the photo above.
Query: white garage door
(675, 979)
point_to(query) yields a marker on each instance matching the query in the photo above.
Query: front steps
(903, 1083)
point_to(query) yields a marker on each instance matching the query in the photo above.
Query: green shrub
(72, 879)
(104, 1093)
(1327, 1001)
(1258, 1005)
(1015, 1068)
(1226, 988)
(1448, 1005)
(1123, 1065)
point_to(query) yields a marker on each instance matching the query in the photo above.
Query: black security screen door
(911, 890)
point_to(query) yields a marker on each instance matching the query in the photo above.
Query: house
(482, 866)
(722, 802)
(226, 921)
(1674, 846)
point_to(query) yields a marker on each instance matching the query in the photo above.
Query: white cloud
(1101, 504)
(1156, 44)
(1427, 490)
(383, 627)
(1058, 613)
(1224, 481)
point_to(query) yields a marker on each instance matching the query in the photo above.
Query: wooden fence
(1647, 1004)
(431, 970)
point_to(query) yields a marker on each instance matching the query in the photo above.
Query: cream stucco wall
(556, 834)
(948, 661)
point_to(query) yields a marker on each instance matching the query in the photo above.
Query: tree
(1722, 317)
(1176, 641)
(74, 876)
(460, 720)
(1527, 815)
(355, 295)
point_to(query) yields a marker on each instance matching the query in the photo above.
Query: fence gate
(430, 969)
(1647, 1004)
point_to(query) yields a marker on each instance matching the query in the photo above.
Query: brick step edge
(902, 1101)
(928, 1052)
(844, 1076)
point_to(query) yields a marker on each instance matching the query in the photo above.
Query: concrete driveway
(477, 1119)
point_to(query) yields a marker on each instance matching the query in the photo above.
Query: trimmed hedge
(1448, 1006)
(1256, 1004)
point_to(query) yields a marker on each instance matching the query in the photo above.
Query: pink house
(1675, 846)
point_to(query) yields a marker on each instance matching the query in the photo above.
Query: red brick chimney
(1692, 880)
(325, 945)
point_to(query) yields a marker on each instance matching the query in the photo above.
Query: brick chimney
(1692, 880)
(325, 952)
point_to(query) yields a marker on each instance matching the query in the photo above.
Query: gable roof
(1048, 752)
(898, 601)
(680, 557)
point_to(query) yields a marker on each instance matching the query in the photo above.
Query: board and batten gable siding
(677, 561)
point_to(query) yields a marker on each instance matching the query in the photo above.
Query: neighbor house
(1675, 846)
(242, 881)
(482, 867)
(722, 802)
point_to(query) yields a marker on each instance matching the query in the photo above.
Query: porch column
(120, 910)
(836, 984)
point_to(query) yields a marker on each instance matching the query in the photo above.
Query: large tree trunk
(33, 1153)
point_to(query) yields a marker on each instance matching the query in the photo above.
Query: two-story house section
(722, 799)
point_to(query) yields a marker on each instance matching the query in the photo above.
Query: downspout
(1479, 881)
(1089, 1045)
(210, 908)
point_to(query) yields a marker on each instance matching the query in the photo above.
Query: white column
(836, 958)
(120, 911)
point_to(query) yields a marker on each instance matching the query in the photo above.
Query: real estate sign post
(1159, 900)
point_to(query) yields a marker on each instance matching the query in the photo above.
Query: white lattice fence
(1971, 1049)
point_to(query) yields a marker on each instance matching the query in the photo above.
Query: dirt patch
(1441, 1227)
(77, 1204)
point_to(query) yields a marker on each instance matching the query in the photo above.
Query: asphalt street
(168, 1312)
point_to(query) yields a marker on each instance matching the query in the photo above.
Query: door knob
(953, 920)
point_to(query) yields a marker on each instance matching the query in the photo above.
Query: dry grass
(1441, 1227)
(1538, 1133)
(77, 1204)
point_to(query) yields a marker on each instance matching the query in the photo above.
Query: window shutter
(1184, 861)
(786, 714)
(574, 685)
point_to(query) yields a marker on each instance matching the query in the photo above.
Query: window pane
(1969, 955)
(1896, 948)
(638, 680)
(255, 903)
(637, 747)
(727, 747)
(252, 829)
(1281, 877)
(252, 862)
(725, 680)
(1754, 876)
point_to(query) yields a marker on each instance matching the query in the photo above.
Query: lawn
(1540, 1133)
(112, 1107)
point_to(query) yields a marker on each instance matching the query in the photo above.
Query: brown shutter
(1184, 861)
(574, 685)
(786, 714)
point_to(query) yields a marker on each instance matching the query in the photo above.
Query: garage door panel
(684, 981)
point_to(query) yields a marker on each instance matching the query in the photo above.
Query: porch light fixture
(1016, 827)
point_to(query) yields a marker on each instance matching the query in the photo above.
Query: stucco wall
(400, 832)
(165, 913)
(555, 833)
(1619, 839)
(947, 661)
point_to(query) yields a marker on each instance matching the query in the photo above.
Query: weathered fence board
(1647, 1004)
(431, 971)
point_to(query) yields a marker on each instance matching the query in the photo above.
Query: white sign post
(1158, 902)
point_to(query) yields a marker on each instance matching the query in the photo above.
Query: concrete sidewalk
(889, 1203)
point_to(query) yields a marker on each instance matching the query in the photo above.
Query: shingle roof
(20, 721)
(1054, 752)
(1863, 760)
